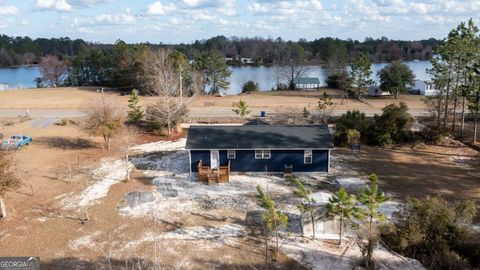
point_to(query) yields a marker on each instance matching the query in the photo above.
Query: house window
(307, 157)
(231, 154)
(262, 154)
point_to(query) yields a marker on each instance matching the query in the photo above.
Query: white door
(214, 159)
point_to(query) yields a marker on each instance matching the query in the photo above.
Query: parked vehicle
(16, 142)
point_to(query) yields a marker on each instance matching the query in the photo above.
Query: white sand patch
(86, 241)
(161, 146)
(209, 235)
(350, 182)
(108, 174)
(323, 256)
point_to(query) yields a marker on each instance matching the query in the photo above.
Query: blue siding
(245, 161)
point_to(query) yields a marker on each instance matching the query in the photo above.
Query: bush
(433, 135)
(392, 126)
(340, 81)
(351, 120)
(434, 232)
(250, 87)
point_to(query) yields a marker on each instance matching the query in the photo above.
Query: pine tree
(360, 73)
(342, 204)
(272, 218)
(135, 113)
(241, 108)
(307, 205)
(371, 199)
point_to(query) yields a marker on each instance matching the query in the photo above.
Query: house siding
(245, 161)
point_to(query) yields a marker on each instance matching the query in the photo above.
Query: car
(16, 142)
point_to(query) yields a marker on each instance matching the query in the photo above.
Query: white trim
(190, 160)
(263, 154)
(328, 166)
(234, 156)
(307, 153)
(214, 165)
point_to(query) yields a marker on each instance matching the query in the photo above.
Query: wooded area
(25, 51)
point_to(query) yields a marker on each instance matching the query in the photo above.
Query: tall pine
(135, 113)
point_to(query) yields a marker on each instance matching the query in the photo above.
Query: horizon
(185, 21)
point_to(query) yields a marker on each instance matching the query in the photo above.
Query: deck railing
(213, 176)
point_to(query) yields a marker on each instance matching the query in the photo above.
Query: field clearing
(195, 222)
(79, 98)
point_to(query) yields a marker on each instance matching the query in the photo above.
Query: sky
(170, 21)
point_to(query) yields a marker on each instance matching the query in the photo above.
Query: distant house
(424, 88)
(376, 91)
(306, 82)
(258, 149)
(246, 60)
(3, 86)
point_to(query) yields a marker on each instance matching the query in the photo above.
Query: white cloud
(24, 22)
(8, 10)
(158, 8)
(420, 8)
(104, 20)
(59, 5)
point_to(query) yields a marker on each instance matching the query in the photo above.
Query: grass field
(78, 98)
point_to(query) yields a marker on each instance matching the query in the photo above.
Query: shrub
(340, 81)
(432, 231)
(349, 121)
(433, 135)
(250, 87)
(392, 126)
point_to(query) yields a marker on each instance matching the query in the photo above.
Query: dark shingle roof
(306, 80)
(259, 137)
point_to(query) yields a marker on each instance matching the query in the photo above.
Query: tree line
(27, 51)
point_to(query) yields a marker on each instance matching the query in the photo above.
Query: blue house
(259, 148)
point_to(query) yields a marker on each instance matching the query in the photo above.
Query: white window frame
(231, 154)
(263, 154)
(307, 153)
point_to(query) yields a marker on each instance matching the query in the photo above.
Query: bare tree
(103, 119)
(162, 81)
(129, 138)
(8, 181)
(53, 70)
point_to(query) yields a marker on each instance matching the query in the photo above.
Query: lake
(23, 77)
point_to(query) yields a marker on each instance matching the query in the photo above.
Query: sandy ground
(75, 98)
(163, 216)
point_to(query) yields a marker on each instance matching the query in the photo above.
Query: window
(307, 156)
(262, 154)
(230, 154)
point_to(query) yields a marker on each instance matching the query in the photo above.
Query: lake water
(23, 77)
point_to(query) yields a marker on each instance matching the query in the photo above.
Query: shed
(306, 82)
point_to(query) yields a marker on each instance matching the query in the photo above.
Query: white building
(375, 91)
(3, 86)
(424, 88)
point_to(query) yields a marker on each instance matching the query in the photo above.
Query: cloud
(8, 10)
(59, 5)
(104, 20)
(158, 8)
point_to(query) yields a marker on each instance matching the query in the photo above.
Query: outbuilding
(275, 149)
(306, 83)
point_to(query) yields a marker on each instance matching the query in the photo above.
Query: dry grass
(77, 98)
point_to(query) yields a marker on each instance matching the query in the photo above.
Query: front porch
(213, 175)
